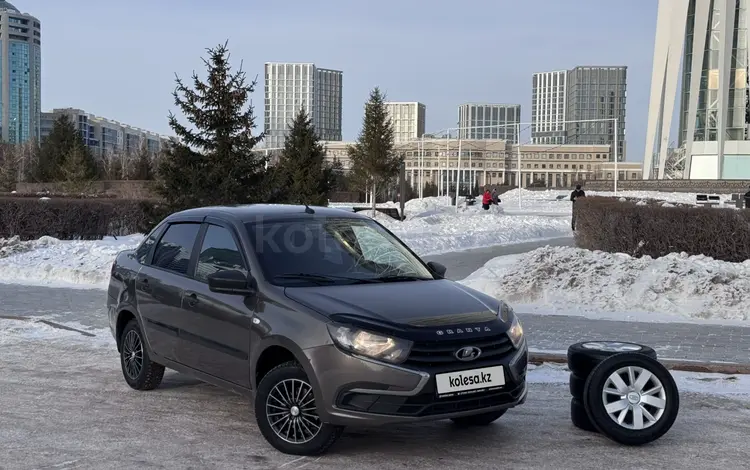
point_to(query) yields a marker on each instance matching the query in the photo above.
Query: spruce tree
(55, 148)
(301, 170)
(213, 161)
(78, 168)
(373, 160)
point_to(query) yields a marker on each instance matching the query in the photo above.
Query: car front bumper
(358, 391)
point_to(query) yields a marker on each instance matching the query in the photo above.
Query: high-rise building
(596, 94)
(104, 136)
(408, 119)
(710, 39)
(548, 107)
(291, 86)
(20, 74)
(489, 121)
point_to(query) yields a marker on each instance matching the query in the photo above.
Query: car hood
(416, 303)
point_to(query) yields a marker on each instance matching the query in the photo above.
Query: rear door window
(175, 248)
(219, 252)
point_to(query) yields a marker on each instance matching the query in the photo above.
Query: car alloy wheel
(290, 408)
(132, 354)
(634, 397)
(612, 346)
(631, 398)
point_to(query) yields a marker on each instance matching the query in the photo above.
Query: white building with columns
(710, 38)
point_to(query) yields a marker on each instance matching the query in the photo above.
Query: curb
(730, 368)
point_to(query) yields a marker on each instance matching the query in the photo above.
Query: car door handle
(191, 298)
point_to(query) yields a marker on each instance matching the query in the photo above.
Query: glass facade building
(20, 75)
(291, 86)
(548, 110)
(489, 121)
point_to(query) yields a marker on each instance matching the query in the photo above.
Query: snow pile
(592, 283)
(14, 245)
(52, 262)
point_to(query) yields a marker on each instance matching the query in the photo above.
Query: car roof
(253, 212)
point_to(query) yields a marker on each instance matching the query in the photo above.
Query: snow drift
(584, 282)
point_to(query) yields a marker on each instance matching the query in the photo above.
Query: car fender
(288, 344)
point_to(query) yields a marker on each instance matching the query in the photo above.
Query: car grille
(426, 404)
(437, 353)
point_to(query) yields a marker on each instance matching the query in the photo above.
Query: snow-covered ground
(573, 281)
(432, 227)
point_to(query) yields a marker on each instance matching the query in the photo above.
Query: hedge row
(74, 219)
(611, 225)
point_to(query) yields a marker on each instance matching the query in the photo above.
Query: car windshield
(332, 251)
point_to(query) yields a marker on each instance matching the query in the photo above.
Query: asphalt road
(66, 405)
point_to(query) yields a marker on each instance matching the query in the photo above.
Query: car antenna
(308, 210)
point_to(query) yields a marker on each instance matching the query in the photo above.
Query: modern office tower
(710, 39)
(20, 74)
(489, 121)
(597, 95)
(291, 86)
(408, 119)
(105, 136)
(548, 111)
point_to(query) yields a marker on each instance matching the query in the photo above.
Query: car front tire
(140, 372)
(287, 415)
(479, 420)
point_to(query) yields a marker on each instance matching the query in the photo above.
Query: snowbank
(567, 280)
(56, 263)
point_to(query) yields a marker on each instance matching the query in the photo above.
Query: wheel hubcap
(634, 398)
(290, 408)
(612, 346)
(132, 354)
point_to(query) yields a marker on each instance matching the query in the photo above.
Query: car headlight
(383, 348)
(515, 332)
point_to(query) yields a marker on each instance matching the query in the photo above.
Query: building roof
(7, 6)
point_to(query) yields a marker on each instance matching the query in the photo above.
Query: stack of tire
(622, 391)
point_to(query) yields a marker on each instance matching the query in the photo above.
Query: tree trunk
(373, 200)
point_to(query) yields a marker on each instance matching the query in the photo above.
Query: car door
(216, 326)
(160, 283)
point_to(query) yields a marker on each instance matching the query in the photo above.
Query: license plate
(470, 380)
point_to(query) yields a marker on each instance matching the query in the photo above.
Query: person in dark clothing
(495, 197)
(486, 200)
(578, 192)
(747, 200)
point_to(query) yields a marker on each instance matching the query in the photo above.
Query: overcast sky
(117, 59)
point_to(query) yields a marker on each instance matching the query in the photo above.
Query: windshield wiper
(323, 278)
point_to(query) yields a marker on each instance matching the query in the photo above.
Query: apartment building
(408, 119)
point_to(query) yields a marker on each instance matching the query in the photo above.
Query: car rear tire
(140, 372)
(579, 417)
(632, 399)
(584, 356)
(287, 415)
(479, 420)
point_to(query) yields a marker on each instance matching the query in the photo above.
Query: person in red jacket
(486, 200)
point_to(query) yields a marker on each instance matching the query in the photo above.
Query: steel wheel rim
(634, 398)
(612, 346)
(290, 410)
(132, 354)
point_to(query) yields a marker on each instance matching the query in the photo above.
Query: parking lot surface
(64, 404)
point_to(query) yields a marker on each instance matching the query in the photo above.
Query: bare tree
(9, 166)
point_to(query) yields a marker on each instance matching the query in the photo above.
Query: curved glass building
(20, 74)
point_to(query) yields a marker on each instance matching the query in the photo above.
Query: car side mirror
(230, 282)
(437, 268)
